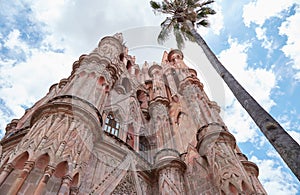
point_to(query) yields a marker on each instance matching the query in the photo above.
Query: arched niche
(101, 80)
(126, 84)
(121, 57)
(42, 161)
(61, 169)
(20, 160)
(75, 181)
(35, 174)
(18, 164)
(55, 182)
(129, 66)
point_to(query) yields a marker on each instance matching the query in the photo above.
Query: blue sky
(257, 40)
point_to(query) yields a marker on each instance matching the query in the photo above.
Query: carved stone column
(170, 74)
(44, 180)
(158, 85)
(252, 171)
(14, 189)
(161, 128)
(198, 109)
(65, 186)
(170, 168)
(5, 172)
(228, 172)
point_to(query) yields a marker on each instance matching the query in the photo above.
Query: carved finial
(119, 36)
(173, 52)
(145, 65)
(164, 59)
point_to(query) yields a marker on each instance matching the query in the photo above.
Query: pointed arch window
(112, 125)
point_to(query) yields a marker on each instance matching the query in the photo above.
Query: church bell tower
(114, 127)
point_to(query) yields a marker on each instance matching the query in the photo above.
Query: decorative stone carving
(227, 170)
(170, 170)
(119, 36)
(7, 169)
(126, 186)
(145, 187)
(110, 47)
(133, 111)
(157, 109)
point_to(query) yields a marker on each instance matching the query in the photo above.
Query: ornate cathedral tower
(112, 127)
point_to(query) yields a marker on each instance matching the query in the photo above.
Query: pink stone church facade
(112, 127)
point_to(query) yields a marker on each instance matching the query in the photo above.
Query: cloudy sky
(257, 40)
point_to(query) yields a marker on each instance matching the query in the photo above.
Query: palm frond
(202, 16)
(155, 5)
(164, 6)
(206, 11)
(178, 37)
(177, 3)
(187, 34)
(182, 11)
(167, 6)
(203, 22)
(190, 3)
(205, 3)
(166, 28)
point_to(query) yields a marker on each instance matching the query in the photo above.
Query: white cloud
(47, 12)
(216, 21)
(239, 123)
(23, 83)
(30, 80)
(10, 9)
(71, 20)
(258, 82)
(14, 42)
(274, 179)
(290, 28)
(291, 127)
(258, 11)
(267, 43)
(81, 27)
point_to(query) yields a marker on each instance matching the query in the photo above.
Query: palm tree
(183, 16)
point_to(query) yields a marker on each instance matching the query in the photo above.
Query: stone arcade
(114, 128)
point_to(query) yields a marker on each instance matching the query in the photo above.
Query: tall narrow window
(111, 126)
(144, 147)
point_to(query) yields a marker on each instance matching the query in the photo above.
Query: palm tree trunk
(286, 146)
